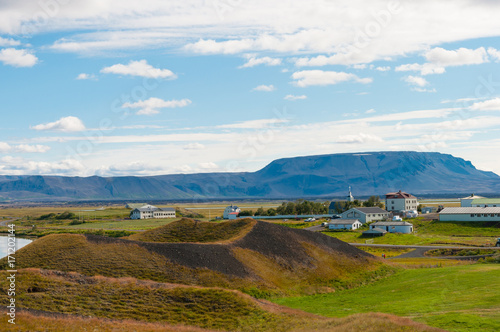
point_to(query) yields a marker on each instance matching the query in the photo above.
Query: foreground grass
(458, 298)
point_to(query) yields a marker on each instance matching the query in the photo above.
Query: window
(472, 215)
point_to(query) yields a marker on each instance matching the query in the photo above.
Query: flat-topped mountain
(373, 173)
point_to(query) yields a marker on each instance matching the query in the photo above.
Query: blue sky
(114, 87)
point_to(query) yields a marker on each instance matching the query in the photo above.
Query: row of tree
(373, 201)
(299, 207)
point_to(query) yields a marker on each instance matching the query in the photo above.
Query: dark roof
(370, 210)
(399, 194)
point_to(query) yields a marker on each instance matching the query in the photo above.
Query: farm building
(467, 201)
(470, 214)
(345, 224)
(365, 214)
(230, 209)
(393, 226)
(150, 212)
(400, 201)
(486, 202)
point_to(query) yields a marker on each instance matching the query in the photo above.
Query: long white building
(470, 214)
(150, 212)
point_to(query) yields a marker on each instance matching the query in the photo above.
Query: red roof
(399, 194)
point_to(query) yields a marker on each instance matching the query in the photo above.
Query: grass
(457, 298)
(457, 228)
(139, 224)
(188, 230)
(388, 252)
(128, 304)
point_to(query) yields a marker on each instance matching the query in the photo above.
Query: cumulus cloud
(293, 97)
(9, 42)
(265, 88)
(254, 124)
(5, 147)
(494, 54)
(424, 69)
(307, 78)
(153, 105)
(18, 166)
(382, 68)
(416, 80)
(487, 105)
(84, 76)
(139, 68)
(17, 58)
(459, 57)
(66, 124)
(37, 148)
(268, 61)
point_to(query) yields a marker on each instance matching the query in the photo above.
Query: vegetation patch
(460, 252)
(434, 296)
(188, 230)
(387, 252)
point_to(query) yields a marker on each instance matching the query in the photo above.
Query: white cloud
(459, 57)
(66, 124)
(424, 69)
(254, 124)
(265, 88)
(424, 90)
(383, 68)
(208, 166)
(293, 97)
(4, 147)
(139, 68)
(18, 58)
(253, 61)
(415, 80)
(84, 76)
(360, 138)
(152, 105)
(9, 42)
(18, 166)
(487, 105)
(32, 148)
(194, 146)
(494, 53)
(307, 78)
(370, 111)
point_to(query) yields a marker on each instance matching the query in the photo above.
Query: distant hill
(373, 173)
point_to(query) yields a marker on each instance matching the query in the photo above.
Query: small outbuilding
(393, 226)
(347, 224)
(375, 232)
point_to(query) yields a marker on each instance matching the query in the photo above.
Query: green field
(139, 224)
(457, 298)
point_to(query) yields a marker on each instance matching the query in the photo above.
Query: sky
(120, 87)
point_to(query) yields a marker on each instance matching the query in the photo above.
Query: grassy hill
(60, 301)
(188, 230)
(262, 259)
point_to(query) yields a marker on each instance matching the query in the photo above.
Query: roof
(469, 210)
(343, 222)
(472, 197)
(399, 194)
(233, 212)
(391, 223)
(486, 200)
(151, 208)
(376, 230)
(332, 205)
(367, 210)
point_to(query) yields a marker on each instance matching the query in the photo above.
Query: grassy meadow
(456, 298)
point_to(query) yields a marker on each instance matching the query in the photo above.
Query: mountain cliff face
(373, 173)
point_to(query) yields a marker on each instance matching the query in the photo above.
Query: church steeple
(350, 198)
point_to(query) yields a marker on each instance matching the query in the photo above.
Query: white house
(344, 224)
(230, 209)
(400, 201)
(470, 214)
(467, 201)
(486, 202)
(393, 226)
(150, 212)
(365, 214)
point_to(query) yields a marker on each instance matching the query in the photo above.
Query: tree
(373, 201)
(245, 213)
(260, 212)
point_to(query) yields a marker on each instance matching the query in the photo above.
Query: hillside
(263, 259)
(59, 301)
(373, 173)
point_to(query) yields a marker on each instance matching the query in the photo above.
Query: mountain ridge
(368, 173)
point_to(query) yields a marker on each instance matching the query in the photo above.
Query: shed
(394, 226)
(375, 232)
(345, 224)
